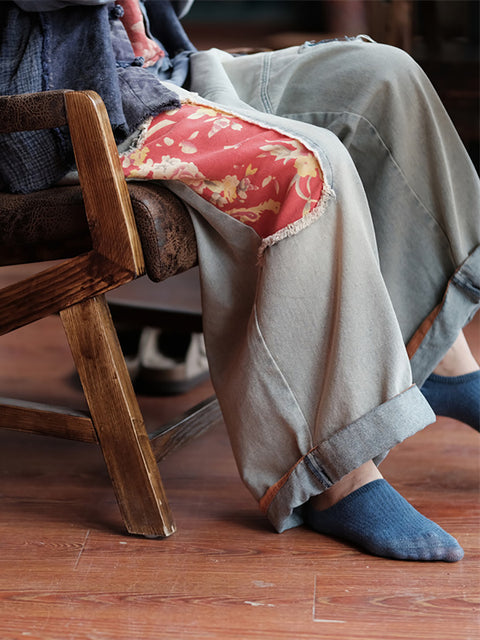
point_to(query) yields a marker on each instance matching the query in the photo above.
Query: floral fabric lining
(260, 177)
(132, 20)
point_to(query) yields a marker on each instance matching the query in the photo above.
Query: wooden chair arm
(107, 202)
(116, 256)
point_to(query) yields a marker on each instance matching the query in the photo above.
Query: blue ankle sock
(376, 518)
(456, 397)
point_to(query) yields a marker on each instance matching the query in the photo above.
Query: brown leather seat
(51, 224)
(106, 234)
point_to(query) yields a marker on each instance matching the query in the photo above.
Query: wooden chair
(101, 234)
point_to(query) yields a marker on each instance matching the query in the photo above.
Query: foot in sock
(378, 519)
(456, 397)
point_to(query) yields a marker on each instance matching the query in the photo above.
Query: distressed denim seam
(272, 359)
(362, 118)
(265, 98)
(466, 285)
(317, 470)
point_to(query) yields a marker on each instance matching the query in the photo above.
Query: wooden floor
(68, 572)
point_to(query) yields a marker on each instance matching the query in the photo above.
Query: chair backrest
(108, 209)
(103, 185)
(93, 224)
(99, 228)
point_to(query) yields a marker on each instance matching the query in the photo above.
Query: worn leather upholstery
(51, 224)
(48, 112)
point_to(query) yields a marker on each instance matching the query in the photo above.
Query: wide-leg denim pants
(317, 350)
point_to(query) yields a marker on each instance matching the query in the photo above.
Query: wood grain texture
(72, 288)
(117, 255)
(68, 573)
(105, 194)
(193, 423)
(117, 418)
(57, 287)
(42, 419)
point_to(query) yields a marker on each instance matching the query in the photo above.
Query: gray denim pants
(316, 352)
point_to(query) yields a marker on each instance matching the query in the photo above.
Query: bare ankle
(367, 472)
(458, 360)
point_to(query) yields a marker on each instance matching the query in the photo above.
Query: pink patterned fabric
(258, 176)
(143, 46)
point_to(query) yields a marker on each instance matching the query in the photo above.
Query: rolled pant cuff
(369, 437)
(441, 328)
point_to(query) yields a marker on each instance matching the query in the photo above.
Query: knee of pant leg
(383, 79)
(336, 76)
(339, 168)
(389, 64)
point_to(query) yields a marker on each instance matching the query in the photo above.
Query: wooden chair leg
(117, 418)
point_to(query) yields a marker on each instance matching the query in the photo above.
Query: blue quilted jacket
(81, 44)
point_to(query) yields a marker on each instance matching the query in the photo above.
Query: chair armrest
(107, 202)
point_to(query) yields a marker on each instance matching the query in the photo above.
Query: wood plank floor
(67, 571)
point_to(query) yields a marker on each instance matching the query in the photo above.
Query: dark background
(442, 35)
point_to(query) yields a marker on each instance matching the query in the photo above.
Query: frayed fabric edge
(295, 227)
(137, 140)
(195, 99)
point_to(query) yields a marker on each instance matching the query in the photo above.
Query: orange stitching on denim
(272, 491)
(419, 335)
